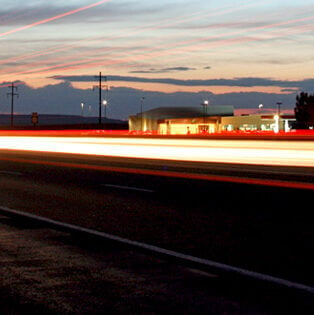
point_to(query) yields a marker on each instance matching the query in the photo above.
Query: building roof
(188, 112)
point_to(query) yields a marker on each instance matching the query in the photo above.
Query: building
(180, 120)
(262, 122)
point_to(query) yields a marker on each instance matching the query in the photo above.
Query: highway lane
(281, 153)
(269, 175)
(255, 227)
(262, 162)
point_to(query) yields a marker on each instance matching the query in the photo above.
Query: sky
(173, 53)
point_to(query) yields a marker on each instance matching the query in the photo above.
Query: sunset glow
(197, 44)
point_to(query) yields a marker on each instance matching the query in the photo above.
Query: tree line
(304, 111)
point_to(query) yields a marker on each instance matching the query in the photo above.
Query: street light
(82, 108)
(142, 101)
(105, 103)
(205, 104)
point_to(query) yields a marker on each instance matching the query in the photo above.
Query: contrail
(183, 46)
(57, 17)
(177, 48)
(128, 32)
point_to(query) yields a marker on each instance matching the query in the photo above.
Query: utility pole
(99, 89)
(12, 94)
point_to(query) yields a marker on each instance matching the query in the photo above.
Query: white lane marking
(129, 188)
(11, 173)
(201, 262)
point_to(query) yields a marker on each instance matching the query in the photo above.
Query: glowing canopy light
(276, 118)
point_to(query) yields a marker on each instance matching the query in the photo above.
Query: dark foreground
(264, 229)
(44, 271)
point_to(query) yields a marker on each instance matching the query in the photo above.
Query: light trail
(276, 153)
(57, 17)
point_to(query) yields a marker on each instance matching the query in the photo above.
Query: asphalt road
(43, 271)
(261, 228)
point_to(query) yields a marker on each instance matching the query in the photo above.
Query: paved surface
(268, 230)
(45, 271)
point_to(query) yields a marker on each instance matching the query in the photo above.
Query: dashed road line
(11, 173)
(129, 188)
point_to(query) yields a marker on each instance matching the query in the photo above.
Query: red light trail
(165, 173)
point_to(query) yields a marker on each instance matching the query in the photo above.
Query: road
(285, 163)
(252, 215)
(251, 226)
(44, 271)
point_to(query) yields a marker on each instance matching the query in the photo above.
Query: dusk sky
(231, 52)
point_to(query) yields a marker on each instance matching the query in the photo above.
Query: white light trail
(284, 153)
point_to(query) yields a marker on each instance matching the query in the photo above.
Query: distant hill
(46, 121)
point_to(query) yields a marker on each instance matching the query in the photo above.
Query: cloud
(63, 98)
(290, 90)
(164, 70)
(307, 84)
(7, 84)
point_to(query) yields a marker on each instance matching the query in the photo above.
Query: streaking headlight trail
(280, 153)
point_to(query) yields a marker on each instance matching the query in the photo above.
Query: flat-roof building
(208, 119)
(180, 120)
(262, 122)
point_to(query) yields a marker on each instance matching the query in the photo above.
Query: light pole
(205, 104)
(142, 101)
(278, 113)
(105, 103)
(82, 108)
